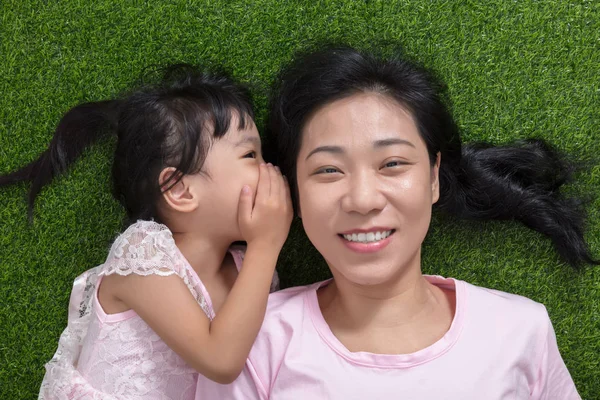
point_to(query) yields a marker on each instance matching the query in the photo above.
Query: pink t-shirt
(499, 346)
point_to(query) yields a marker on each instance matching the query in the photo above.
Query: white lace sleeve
(147, 248)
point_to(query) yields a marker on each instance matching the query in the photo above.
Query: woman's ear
(181, 196)
(435, 179)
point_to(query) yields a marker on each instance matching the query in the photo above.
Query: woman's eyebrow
(376, 144)
(391, 142)
(326, 149)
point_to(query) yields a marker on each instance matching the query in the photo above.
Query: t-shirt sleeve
(243, 388)
(554, 381)
(254, 381)
(267, 354)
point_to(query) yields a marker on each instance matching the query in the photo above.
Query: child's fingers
(287, 195)
(245, 206)
(274, 178)
(264, 183)
(282, 183)
(281, 192)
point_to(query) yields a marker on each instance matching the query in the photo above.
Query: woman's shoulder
(511, 312)
(502, 299)
(283, 302)
(286, 312)
(285, 319)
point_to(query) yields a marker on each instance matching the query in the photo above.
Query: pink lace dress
(118, 356)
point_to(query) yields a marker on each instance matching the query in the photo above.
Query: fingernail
(246, 189)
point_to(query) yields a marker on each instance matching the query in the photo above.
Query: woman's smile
(367, 240)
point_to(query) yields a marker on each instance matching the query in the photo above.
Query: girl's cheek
(252, 179)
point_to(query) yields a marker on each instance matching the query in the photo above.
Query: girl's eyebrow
(376, 144)
(248, 139)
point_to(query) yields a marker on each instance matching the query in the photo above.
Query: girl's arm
(218, 349)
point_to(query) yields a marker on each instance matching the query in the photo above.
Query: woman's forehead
(361, 119)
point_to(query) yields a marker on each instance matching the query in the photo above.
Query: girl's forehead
(235, 133)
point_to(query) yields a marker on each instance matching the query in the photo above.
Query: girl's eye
(252, 154)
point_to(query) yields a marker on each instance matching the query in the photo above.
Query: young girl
(370, 148)
(188, 168)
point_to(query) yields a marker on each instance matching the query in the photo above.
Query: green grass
(513, 69)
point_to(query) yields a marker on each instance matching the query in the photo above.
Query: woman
(369, 148)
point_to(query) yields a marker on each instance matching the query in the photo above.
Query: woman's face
(366, 187)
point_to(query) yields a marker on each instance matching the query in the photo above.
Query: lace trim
(147, 248)
(85, 306)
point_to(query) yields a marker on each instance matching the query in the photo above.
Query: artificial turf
(513, 70)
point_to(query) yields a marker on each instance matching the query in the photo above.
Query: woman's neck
(398, 317)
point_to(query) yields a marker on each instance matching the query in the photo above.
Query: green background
(514, 69)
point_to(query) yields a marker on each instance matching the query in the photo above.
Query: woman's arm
(554, 381)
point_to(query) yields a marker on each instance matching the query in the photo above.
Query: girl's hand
(266, 222)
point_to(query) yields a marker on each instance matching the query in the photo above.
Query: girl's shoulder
(144, 248)
(148, 248)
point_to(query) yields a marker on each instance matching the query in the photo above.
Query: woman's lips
(367, 241)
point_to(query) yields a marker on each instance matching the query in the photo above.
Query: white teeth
(367, 237)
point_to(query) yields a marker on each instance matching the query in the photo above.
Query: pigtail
(78, 129)
(520, 181)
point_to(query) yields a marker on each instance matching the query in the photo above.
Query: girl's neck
(204, 254)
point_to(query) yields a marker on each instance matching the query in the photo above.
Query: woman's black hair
(519, 181)
(170, 124)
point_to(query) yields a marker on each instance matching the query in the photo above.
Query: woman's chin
(367, 275)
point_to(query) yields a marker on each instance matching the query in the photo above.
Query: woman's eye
(252, 154)
(327, 170)
(392, 164)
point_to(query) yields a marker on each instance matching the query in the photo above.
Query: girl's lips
(370, 247)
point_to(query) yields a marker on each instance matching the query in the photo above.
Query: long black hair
(169, 124)
(519, 181)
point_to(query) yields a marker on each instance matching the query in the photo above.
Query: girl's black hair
(519, 181)
(165, 125)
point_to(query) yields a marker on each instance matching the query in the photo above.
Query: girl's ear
(435, 179)
(182, 196)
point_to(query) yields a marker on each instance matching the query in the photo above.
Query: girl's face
(232, 162)
(366, 187)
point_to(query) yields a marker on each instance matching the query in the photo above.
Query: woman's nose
(363, 194)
